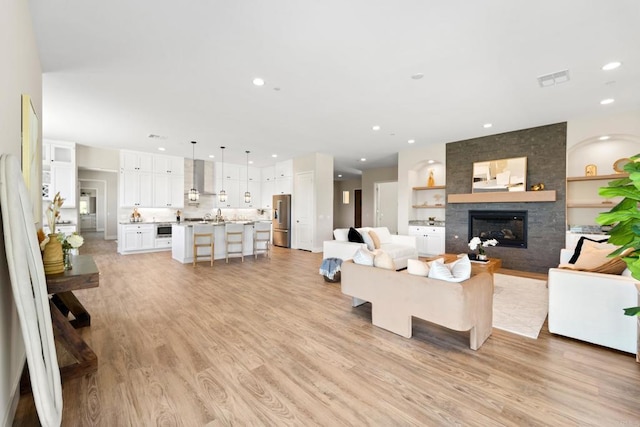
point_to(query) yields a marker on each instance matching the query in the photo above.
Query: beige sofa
(397, 296)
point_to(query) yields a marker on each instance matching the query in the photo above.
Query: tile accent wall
(545, 148)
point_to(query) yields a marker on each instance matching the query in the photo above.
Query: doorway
(357, 211)
(304, 210)
(386, 205)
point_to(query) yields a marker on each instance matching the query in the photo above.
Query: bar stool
(261, 238)
(234, 240)
(202, 238)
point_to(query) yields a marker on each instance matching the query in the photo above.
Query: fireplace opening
(509, 228)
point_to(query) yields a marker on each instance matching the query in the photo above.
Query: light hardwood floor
(268, 342)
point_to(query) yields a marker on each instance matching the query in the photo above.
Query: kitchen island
(182, 239)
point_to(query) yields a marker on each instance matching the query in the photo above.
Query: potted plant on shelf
(626, 217)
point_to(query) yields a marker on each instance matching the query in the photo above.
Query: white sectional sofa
(589, 306)
(400, 248)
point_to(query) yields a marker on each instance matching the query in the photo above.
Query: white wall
(20, 73)
(343, 215)
(97, 158)
(369, 179)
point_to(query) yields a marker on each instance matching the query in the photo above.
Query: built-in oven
(163, 231)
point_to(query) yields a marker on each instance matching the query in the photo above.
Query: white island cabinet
(182, 240)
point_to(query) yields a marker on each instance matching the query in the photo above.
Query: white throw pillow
(383, 235)
(420, 268)
(364, 232)
(461, 267)
(363, 257)
(341, 234)
(384, 260)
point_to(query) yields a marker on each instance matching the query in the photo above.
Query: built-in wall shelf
(435, 187)
(504, 197)
(597, 177)
(591, 205)
(428, 206)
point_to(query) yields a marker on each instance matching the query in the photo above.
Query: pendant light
(193, 193)
(222, 195)
(247, 194)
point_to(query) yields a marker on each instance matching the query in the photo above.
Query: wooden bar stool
(261, 238)
(234, 240)
(202, 238)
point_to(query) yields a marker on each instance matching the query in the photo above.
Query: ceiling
(115, 72)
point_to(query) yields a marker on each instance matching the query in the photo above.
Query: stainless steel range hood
(204, 177)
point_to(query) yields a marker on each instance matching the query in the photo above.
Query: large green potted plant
(626, 217)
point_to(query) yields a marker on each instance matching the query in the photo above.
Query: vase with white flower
(69, 243)
(477, 243)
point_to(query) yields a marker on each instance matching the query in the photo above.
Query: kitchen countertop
(187, 223)
(426, 223)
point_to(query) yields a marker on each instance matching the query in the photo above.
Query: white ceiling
(117, 71)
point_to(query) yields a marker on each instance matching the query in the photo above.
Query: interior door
(303, 191)
(386, 205)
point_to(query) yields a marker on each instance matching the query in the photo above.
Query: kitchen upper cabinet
(284, 185)
(268, 190)
(232, 188)
(231, 171)
(136, 161)
(136, 189)
(256, 197)
(168, 165)
(254, 174)
(284, 169)
(268, 174)
(58, 153)
(168, 191)
(59, 173)
(63, 180)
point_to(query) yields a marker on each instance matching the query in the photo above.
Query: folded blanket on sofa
(330, 267)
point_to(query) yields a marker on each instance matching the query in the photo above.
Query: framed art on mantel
(30, 164)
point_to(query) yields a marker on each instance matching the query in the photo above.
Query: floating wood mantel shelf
(504, 197)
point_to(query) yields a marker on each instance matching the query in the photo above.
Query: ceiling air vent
(553, 78)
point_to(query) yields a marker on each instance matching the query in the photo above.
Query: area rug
(520, 304)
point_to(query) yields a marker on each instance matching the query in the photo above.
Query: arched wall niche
(602, 153)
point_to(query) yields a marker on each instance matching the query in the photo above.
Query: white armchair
(589, 306)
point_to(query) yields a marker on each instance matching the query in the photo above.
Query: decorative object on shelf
(537, 187)
(438, 197)
(53, 212)
(432, 220)
(477, 243)
(618, 165)
(194, 195)
(222, 195)
(135, 216)
(72, 241)
(431, 182)
(625, 217)
(52, 256)
(590, 170)
(247, 194)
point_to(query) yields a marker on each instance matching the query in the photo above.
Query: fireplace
(509, 228)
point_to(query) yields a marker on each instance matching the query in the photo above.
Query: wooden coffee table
(490, 266)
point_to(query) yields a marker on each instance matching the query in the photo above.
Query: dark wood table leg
(82, 316)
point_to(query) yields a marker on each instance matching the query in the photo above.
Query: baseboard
(111, 237)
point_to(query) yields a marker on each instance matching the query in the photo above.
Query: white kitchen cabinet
(268, 174)
(58, 152)
(284, 185)
(253, 175)
(284, 169)
(232, 188)
(256, 198)
(268, 190)
(430, 240)
(137, 237)
(136, 161)
(136, 189)
(168, 165)
(231, 171)
(59, 171)
(168, 191)
(63, 180)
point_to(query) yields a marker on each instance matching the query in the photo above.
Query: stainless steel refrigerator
(282, 220)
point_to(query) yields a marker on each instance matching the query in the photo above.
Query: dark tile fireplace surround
(545, 148)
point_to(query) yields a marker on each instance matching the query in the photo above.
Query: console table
(83, 275)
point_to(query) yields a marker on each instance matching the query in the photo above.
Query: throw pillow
(375, 239)
(383, 235)
(341, 234)
(354, 236)
(420, 268)
(364, 232)
(363, 257)
(615, 265)
(384, 260)
(594, 254)
(443, 271)
(578, 249)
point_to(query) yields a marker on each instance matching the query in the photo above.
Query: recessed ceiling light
(161, 148)
(250, 162)
(487, 125)
(431, 162)
(417, 76)
(274, 155)
(611, 66)
(211, 156)
(363, 159)
(604, 137)
(376, 128)
(607, 101)
(258, 81)
(411, 141)
(339, 175)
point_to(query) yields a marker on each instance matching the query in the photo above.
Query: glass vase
(67, 259)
